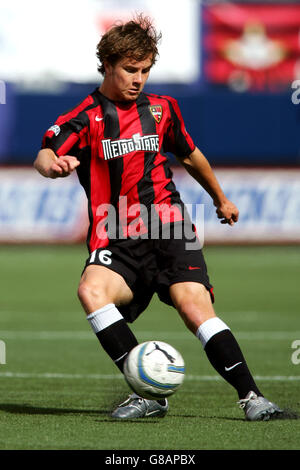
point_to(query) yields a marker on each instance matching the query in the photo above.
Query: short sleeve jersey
(124, 168)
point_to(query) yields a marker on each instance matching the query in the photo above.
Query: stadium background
(234, 68)
(239, 102)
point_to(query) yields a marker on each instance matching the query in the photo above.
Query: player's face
(125, 80)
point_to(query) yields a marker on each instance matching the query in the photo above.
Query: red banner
(252, 47)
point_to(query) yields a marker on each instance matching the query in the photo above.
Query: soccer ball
(154, 370)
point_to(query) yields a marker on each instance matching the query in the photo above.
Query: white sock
(104, 317)
(209, 328)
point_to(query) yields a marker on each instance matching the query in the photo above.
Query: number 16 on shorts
(104, 257)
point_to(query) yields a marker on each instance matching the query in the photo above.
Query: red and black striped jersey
(124, 168)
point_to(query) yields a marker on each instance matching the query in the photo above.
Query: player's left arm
(199, 168)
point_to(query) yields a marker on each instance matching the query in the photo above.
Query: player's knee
(189, 297)
(91, 293)
(195, 307)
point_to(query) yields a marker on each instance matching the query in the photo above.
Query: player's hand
(227, 212)
(63, 166)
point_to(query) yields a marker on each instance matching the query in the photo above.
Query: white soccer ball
(154, 369)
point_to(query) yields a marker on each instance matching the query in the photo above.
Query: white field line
(199, 378)
(142, 335)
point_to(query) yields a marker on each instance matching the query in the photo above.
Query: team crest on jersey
(55, 129)
(156, 111)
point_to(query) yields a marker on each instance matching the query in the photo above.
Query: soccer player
(117, 139)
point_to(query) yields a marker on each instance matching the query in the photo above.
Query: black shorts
(150, 266)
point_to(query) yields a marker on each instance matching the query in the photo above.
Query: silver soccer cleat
(258, 408)
(137, 407)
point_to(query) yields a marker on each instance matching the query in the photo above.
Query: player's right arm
(59, 154)
(199, 168)
(50, 166)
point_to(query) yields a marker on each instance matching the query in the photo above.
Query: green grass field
(58, 387)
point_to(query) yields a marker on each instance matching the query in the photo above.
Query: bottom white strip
(204, 378)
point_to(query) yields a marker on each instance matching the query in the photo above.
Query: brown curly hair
(137, 39)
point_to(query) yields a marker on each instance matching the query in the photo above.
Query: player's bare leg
(193, 302)
(100, 286)
(100, 292)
